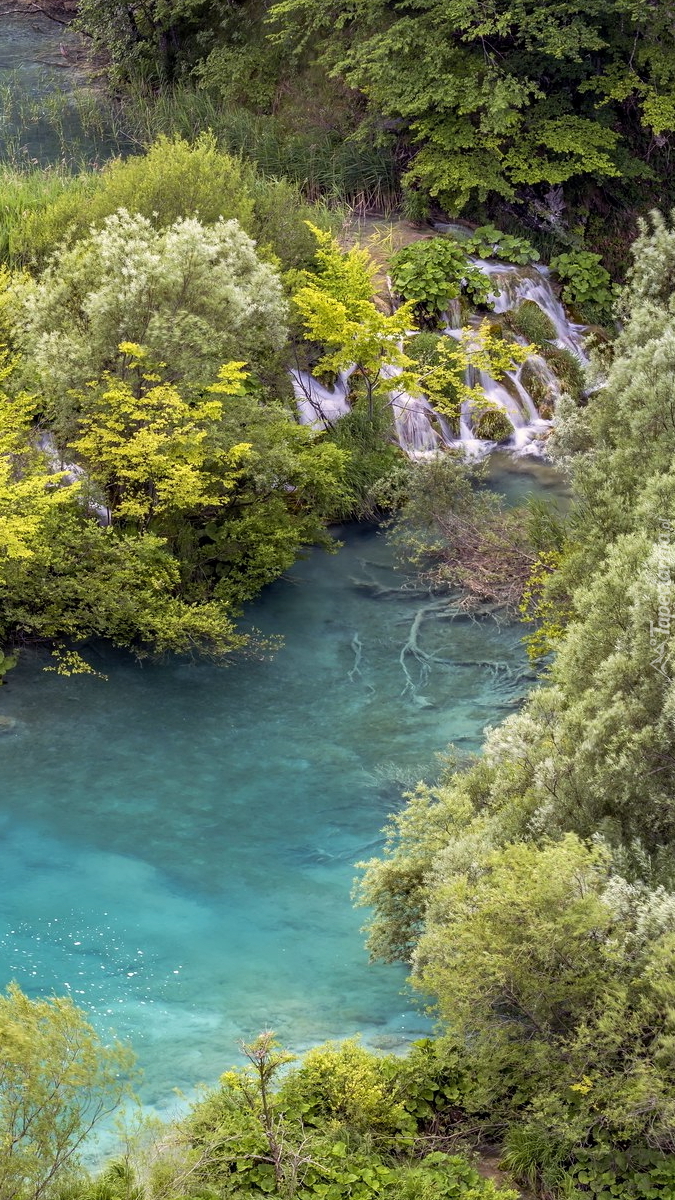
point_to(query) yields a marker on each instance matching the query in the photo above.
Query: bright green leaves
(541, 914)
(586, 282)
(432, 272)
(154, 453)
(489, 242)
(29, 493)
(57, 1082)
(194, 295)
(338, 310)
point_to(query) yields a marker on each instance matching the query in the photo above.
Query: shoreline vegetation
(154, 477)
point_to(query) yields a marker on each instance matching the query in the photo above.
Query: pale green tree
(195, 296)
(58, 1080)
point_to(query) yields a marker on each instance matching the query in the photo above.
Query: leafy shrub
(435, 271)
(537, 1157)
(585, 281)
(371, 459)
(434, 1080)
(444, 1177)
(345, 1084)
(193, 295)
(489, 242)
(423, 348)
(175, 179)
(532, 323)
(629, 1174)
(342, 1126)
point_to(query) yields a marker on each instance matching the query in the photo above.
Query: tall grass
(53, 144)
(27, 188)
(322, 164)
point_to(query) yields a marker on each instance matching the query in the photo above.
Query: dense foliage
(531, 891)
(508, 97)
(153, 477)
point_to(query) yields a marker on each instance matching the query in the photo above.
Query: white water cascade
(413, 417)
(516, 284)
(421, 432)
(319, 405)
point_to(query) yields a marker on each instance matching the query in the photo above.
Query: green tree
(337, 309)
(57, 1082)
(146, 37)
(194, 295)
(509, 98)
(340, 311)
(149, 450)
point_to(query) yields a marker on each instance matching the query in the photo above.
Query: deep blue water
(177, 842)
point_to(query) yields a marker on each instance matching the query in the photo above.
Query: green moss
(493, 426)
(567, 368)
(542, 392)
(532, 323)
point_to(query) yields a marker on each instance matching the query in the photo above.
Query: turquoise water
(178, 842)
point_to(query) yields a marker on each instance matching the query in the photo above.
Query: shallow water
(178, 842)
(41, 86)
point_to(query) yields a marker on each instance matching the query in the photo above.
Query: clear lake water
(178, 842)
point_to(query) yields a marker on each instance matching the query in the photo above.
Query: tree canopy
(506, 97)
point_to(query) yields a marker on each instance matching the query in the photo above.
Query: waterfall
(516, 284)
(412, 421)
(72, 473)
(318, 404)
(420, 431)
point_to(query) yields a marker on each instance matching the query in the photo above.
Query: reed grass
(54, 143)
(324, 165)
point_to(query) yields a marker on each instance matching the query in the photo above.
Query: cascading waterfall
(516, 284)
(413, 416)
(318, 404)
(422, 432)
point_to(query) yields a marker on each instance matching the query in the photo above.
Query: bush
(175, 179)
(586, 283)
(435, 271)
(371, 459)
(488, 242)
(193, 295)
(58, 1080)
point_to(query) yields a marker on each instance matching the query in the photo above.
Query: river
(179, 840)
(43, 93)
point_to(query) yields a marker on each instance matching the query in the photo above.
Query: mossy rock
(529, 320)
(495, 329)
(451, 425)
(568, 370)
(493, 426)
(538, 388)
